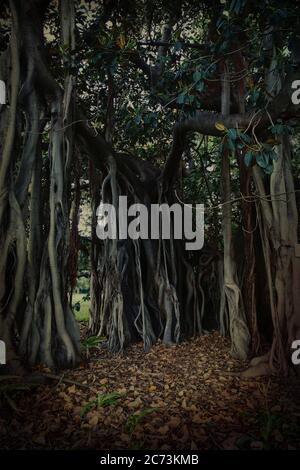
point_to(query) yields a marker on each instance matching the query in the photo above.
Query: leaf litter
(183, 397)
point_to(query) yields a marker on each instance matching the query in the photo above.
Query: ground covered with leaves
(184, 397)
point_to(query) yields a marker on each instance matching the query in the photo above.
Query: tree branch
(204, 122)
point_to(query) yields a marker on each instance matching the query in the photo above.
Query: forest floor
(179, 397)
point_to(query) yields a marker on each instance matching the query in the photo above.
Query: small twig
(9, 377)
(65, 380)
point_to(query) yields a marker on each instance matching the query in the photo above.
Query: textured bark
(142, 296)
(249, 226)
(278, 228)
(140, 289)
(249, 272)
(12, 232)
(238, 328)
(47, 329)
(279, 237)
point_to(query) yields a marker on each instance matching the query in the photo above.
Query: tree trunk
(48, 332)
(238, 328)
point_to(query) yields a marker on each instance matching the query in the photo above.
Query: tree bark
(238, 328)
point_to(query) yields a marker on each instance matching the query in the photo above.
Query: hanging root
(141, 294)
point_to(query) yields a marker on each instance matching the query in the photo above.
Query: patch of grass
(80, 307)
(108, 399)
(92, 341)
(134, 419)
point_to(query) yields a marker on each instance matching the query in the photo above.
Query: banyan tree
(139, 99)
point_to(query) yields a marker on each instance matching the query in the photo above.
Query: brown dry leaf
(199, 419)
(174, 422)
(93, 421)
(194, 446)
(184, 434)
(77, 410)
(163, 429)
(199, 405)
(193, 407)
(158, 404)
(135, 404)
(124, 437)
(184, 404)
(68, 406)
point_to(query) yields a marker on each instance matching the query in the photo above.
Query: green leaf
(92, 341)
(232, 134)
(245, 138)
(178, 45)
(197, 76)
(138, 119)
(86, 408)
(277, 129)
(200, 86)
(181, 98)
(248, 158)
(103, 400)
(262, 159)
(135, 419)
(108, 399)
(189, 99)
